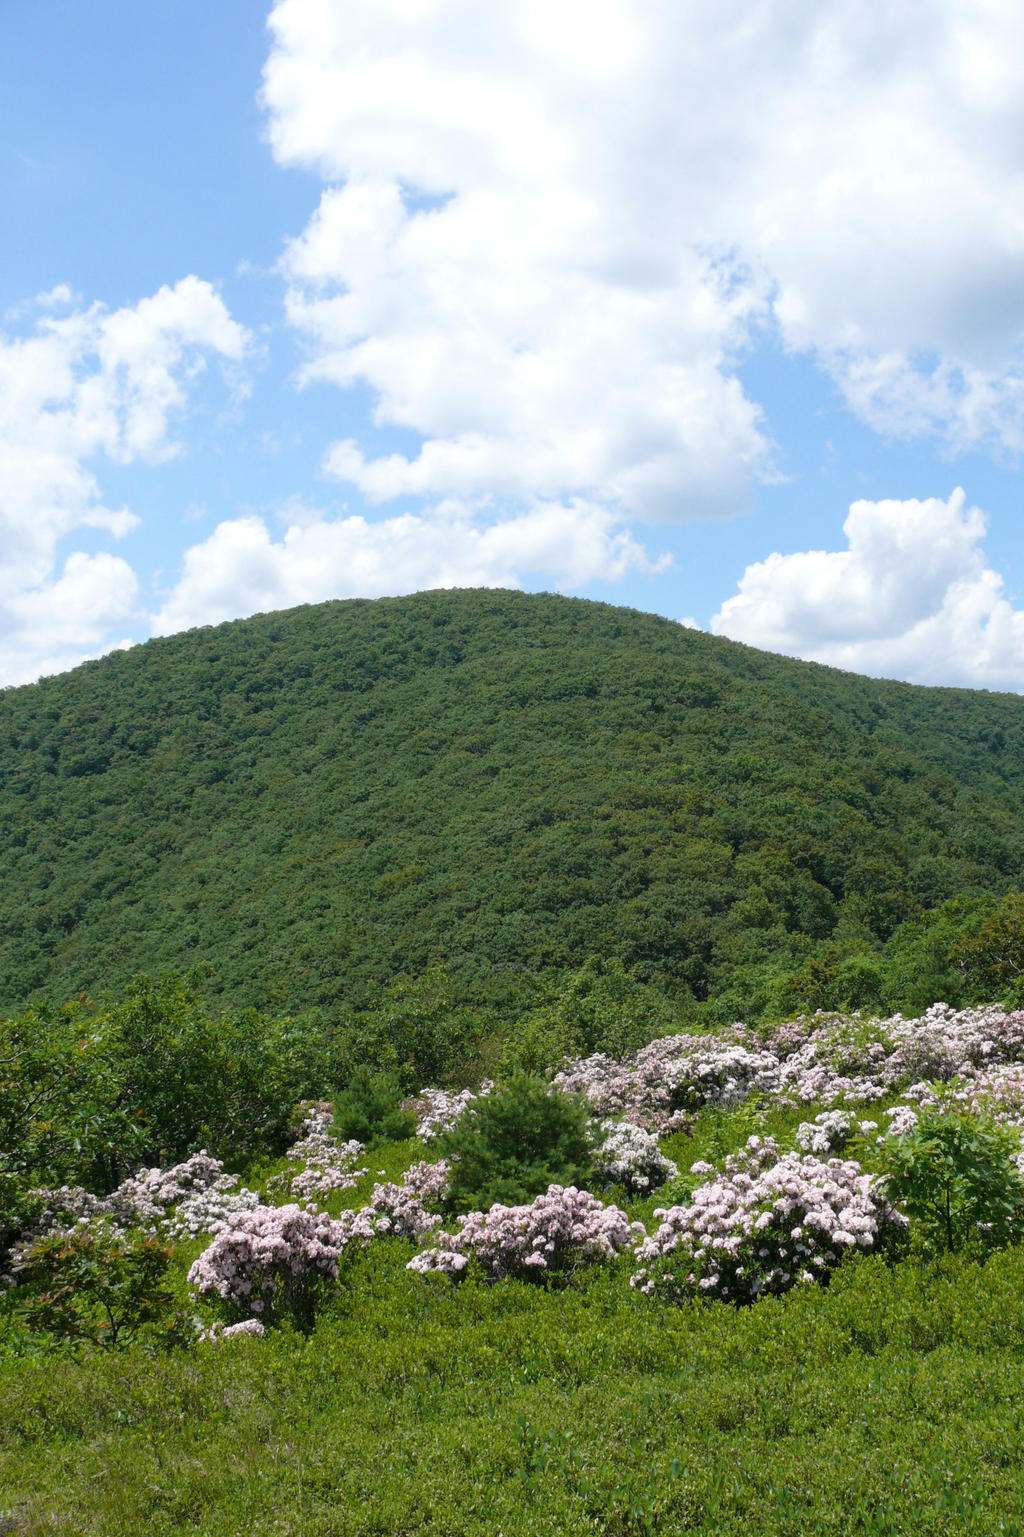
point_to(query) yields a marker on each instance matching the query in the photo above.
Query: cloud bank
(549, 228)
(548, 235)
(910, 597)
(83, 385)
(241, 569)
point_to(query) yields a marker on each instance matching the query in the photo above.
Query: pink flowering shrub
(143, 1200)
(830, 1132)
(649, 1087)
(325, 1163)
(399, 1213)
(62, 1206)
(831, 1059)
(627, 1155)
(208, 1209)
(438, 1110)
(277, 1261)
(250, 1327)
(556, 1234)
(429, 1181)
(771, 1221)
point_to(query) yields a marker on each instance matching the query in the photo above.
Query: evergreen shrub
(514, 1143)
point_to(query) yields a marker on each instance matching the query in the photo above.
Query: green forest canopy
(315, 802)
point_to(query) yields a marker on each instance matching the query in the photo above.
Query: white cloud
(69, 619)
(89, 383)
(241, 569)
(541, 343)
(549, 227)
(910, 597)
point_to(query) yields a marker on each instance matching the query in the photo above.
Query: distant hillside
(315, 801)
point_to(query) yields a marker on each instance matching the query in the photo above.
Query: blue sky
(351, 297)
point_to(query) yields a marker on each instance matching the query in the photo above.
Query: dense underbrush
(747, 1282)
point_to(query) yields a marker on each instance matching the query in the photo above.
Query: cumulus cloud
(549, 229)
(910, 597)
(81, 385)
(241, 569)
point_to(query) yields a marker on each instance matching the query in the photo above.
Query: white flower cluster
(429, 1181)
(629, 1156)
(996, 1091)
(639, 1088)
(832, 1059)
(826, 1133)
(62, 1206)
(437, 1110)
(326, 1163)
(219, 1331)
(902, 1119)
(143, 1200)
(771, 1221)
(147, 1197)
(559, 1231)
(208, 1209)
(399, 1213)
(274, 1258)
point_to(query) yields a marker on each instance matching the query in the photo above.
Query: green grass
(887, 1404)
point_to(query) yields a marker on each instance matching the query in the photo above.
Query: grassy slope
(889, 1404)
(314, 800)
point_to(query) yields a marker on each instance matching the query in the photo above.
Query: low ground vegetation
(659, 1291)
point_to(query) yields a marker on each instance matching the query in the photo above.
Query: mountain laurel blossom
(437, 1110)
(829, 1132)
(397, 1212)
(831, 1059)
(557, 1233)
(326, 1163)
(771, 1221)
(143, 1200)
(209, 1209)
(275, 1261)
(627, 1155)
(429, 1181)
(218, 1331)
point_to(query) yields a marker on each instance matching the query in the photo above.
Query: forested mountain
(313, 802)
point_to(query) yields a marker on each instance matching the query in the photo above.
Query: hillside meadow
(541, 1385)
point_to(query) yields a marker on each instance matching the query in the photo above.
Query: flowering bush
(832, 1059)
(629, 1156)
(429, 1181)
(277, 1261)
(62, 1207)
(398, 1212)
(326, 1163)
(826, 1133)
(143, 1200)
(556, 1234)
(206, 1211)
(218, 1331)
(771, 1221)
(438, 1110)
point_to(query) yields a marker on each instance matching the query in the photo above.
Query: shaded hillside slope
(315, 800)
